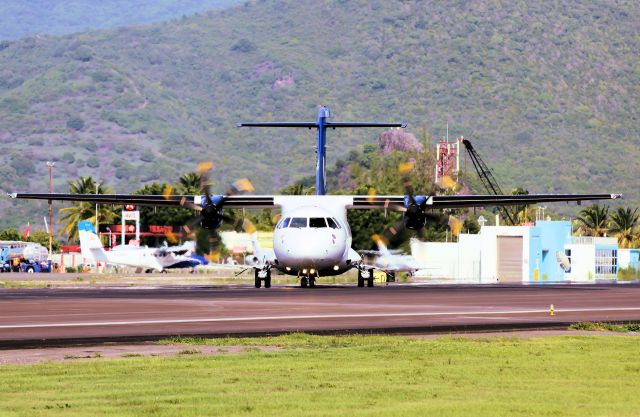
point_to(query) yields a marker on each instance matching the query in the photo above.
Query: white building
(544, 253)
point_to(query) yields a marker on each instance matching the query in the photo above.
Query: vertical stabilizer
(90, 245)
(382, 247)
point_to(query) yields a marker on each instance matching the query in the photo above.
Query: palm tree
(190, 183)
(593, 221)
(623, 225)
(83, 210)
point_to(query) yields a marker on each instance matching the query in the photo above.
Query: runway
(58, 316)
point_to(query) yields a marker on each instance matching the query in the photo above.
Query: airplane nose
(318, 253)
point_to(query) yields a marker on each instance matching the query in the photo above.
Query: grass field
(344, 376)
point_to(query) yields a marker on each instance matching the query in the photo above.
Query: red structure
(447, 158)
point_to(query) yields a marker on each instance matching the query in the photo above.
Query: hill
(59, 17)
(547, 92)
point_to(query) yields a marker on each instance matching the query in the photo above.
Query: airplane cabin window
(317, 222)
(298, 222)
(332, 223)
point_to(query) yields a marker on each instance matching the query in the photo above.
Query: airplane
(261, 260)
(391, 263)
(147, 259)
(313, 238)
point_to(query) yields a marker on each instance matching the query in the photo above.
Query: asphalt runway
(54, 316)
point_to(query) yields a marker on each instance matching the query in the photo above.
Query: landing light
(288, 268)
(304, 271)
(312, 271)
(336, 267)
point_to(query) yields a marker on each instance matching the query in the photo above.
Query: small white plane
(391, 263)
(143, 258)
(313, 238)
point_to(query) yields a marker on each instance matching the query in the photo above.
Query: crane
(489, 181)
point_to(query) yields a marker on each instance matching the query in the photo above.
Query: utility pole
(50, 164)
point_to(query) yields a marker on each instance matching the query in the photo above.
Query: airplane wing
(454, 201)
(236, 201)
(397, 202)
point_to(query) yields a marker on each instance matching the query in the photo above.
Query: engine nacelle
(415, 217)
(210, 217)
(211, 214)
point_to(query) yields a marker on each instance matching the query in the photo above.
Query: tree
(190, 183)
(297, 189)
(42, 238)
(10, 234)
(163, 216)
(623, 225)
(83, 210)
(593, 221)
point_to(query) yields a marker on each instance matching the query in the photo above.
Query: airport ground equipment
(23, 257)
(489, 181)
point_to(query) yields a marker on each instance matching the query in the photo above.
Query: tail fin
(255, 243)
(382, 247)
(90, 245)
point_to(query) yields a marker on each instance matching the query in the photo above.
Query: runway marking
(303, 317)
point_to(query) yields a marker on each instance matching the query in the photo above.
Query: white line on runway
(304, 317)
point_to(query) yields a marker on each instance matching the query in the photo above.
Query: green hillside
(548, 92)
(19, 18)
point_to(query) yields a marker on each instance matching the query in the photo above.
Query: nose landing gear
(308, 281)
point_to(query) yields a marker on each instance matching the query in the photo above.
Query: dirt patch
(78, 353)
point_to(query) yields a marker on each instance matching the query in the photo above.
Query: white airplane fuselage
(313, 237)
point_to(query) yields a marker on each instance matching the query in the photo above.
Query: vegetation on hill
(547, 91)
(59, 17)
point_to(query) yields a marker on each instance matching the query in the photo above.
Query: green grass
(339, 376)
(606, 327)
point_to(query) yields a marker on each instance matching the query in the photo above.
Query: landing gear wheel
(258, 281)
(267, 279)
(312, 282)
(370, 279)
(303, 282)
(360, 279)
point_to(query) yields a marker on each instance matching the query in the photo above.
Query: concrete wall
(628, 258)
(458, 261)
(437, 259)
(583, 264)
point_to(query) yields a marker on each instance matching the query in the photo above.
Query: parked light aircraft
(392, 263)
(143, 258)
(313, 238)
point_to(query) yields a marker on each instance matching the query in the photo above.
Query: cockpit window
(298, 222)
(317, 222)
(332, 223)
(283, 223)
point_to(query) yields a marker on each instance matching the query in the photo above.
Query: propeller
(416, 212)
(210, 210)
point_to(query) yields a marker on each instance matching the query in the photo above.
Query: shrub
(93, 162)
(68, 157)
(243, 45)
(83, 53)
(75, 123)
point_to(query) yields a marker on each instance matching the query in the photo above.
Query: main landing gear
(365, 275)
(262, 275)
